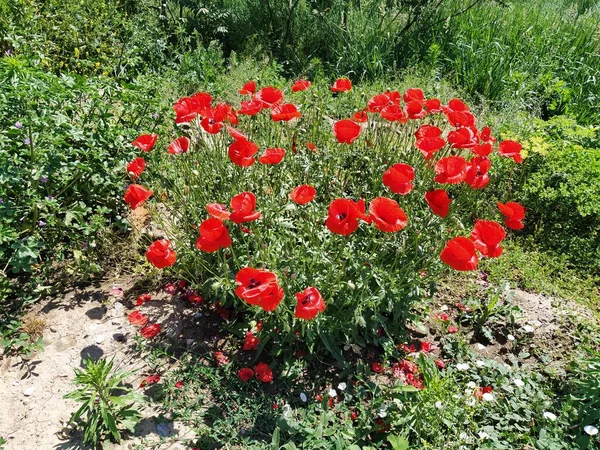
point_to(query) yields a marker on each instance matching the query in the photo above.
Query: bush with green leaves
(108, 405)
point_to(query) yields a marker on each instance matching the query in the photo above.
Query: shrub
(314, 229)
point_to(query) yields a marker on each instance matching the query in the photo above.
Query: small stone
(29, 391)
(163, 429)
(100, 339)
(444, 308)
(118, 306)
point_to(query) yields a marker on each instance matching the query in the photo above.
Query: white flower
(483, 435)
(303, 397)
(488, 397)
(382, 413)
(342, 386)
(471, 385)
(480, 347)
(510, 337)
(591, 430)
(528, 329)
(462, 366)
(439, 404)
(332, 393)
(518, 382)
(444, 308)
(480, 363)
(286, 409)
(548, 415)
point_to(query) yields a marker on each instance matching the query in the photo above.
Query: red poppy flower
(170, 288)
(451, 170)
(440, 364)
(149, 380)
(463, 137)
(251, 342)
(303, 194)
(387, 215)
(137, 318)
(136, 194)
(341, 85)
(483, 149)
(269, 96)
(486, 136)
(312, 147)
(187, 108)
(243, 206)
(310, 303)
(360, 116)
(236, 134)
(433, 105)
(513, 214)
(179, 146)
(263, 372)
(343, 216)
(258, 287)
(160, 254)
(213, 120)
(218, 211)
(224, 313)
(143, 299)
(483, 390)
(427, 131)
(145, 142)
(151, 330)
(246, 374)
(511, 149)
(179, 385)
(393, 113)
(438, 202)
(399, 178)
(414, 110)
(194, 298)
(272, 156)
(487, 236)
(380, 101)
(451, 329)
(459, 254)
(301, 85)
(430, 145)
(213, 236)
(414, 95)
(242, 153)
(136, 167)
(249, 88)
(346, 131)
(221, 359)
(477, 172)
(251, 107)
(443, 317)
(426, 346)
(376, 367)
(285, 113)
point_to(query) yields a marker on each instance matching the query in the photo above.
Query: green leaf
(398, 442)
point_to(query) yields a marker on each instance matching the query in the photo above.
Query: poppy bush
(321, 212)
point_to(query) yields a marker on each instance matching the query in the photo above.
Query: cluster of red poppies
(260, 287)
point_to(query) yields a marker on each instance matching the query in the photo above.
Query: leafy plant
(107, 404)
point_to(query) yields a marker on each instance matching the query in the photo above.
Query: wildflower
(510, 337)
(451, 329)
(310, 303)
(143, 299)
(41, 224)
(303, 194)
(263, 372)
(518, 382)
(251, 107)
(151, 330)
(332, 393)
(218, 211)
(346, 131)
(18, 125)
(399, 178)
(550, 416)
(221, 359)
(242, 153)
(511, 149)
(353, 415)
(387, 215)
(459, 254)
(179, 146)
(513, 213)
(136, 195)
(439, 202)
(249, 88)
(160, 254)
(243, 206)
(343, 215)
(145, 142)
(258, 287)
(251, 342)
(341, 85)
(179, 385)
(462, 366)
(465, 137)
(477, 172)
(136, 167)
(213, 236)
(590, 430)
(393, 113)
(342, 386)
(285, 113)
(170, 288)
(451, 170)
(487, 236)
(137, 318)
(376, 367)
(245, 374)
(27, 141)
(269, 97)
(188, 108)
(301, 85)
(149, 380)
(272, 156)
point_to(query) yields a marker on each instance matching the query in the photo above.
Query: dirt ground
(92, 322)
